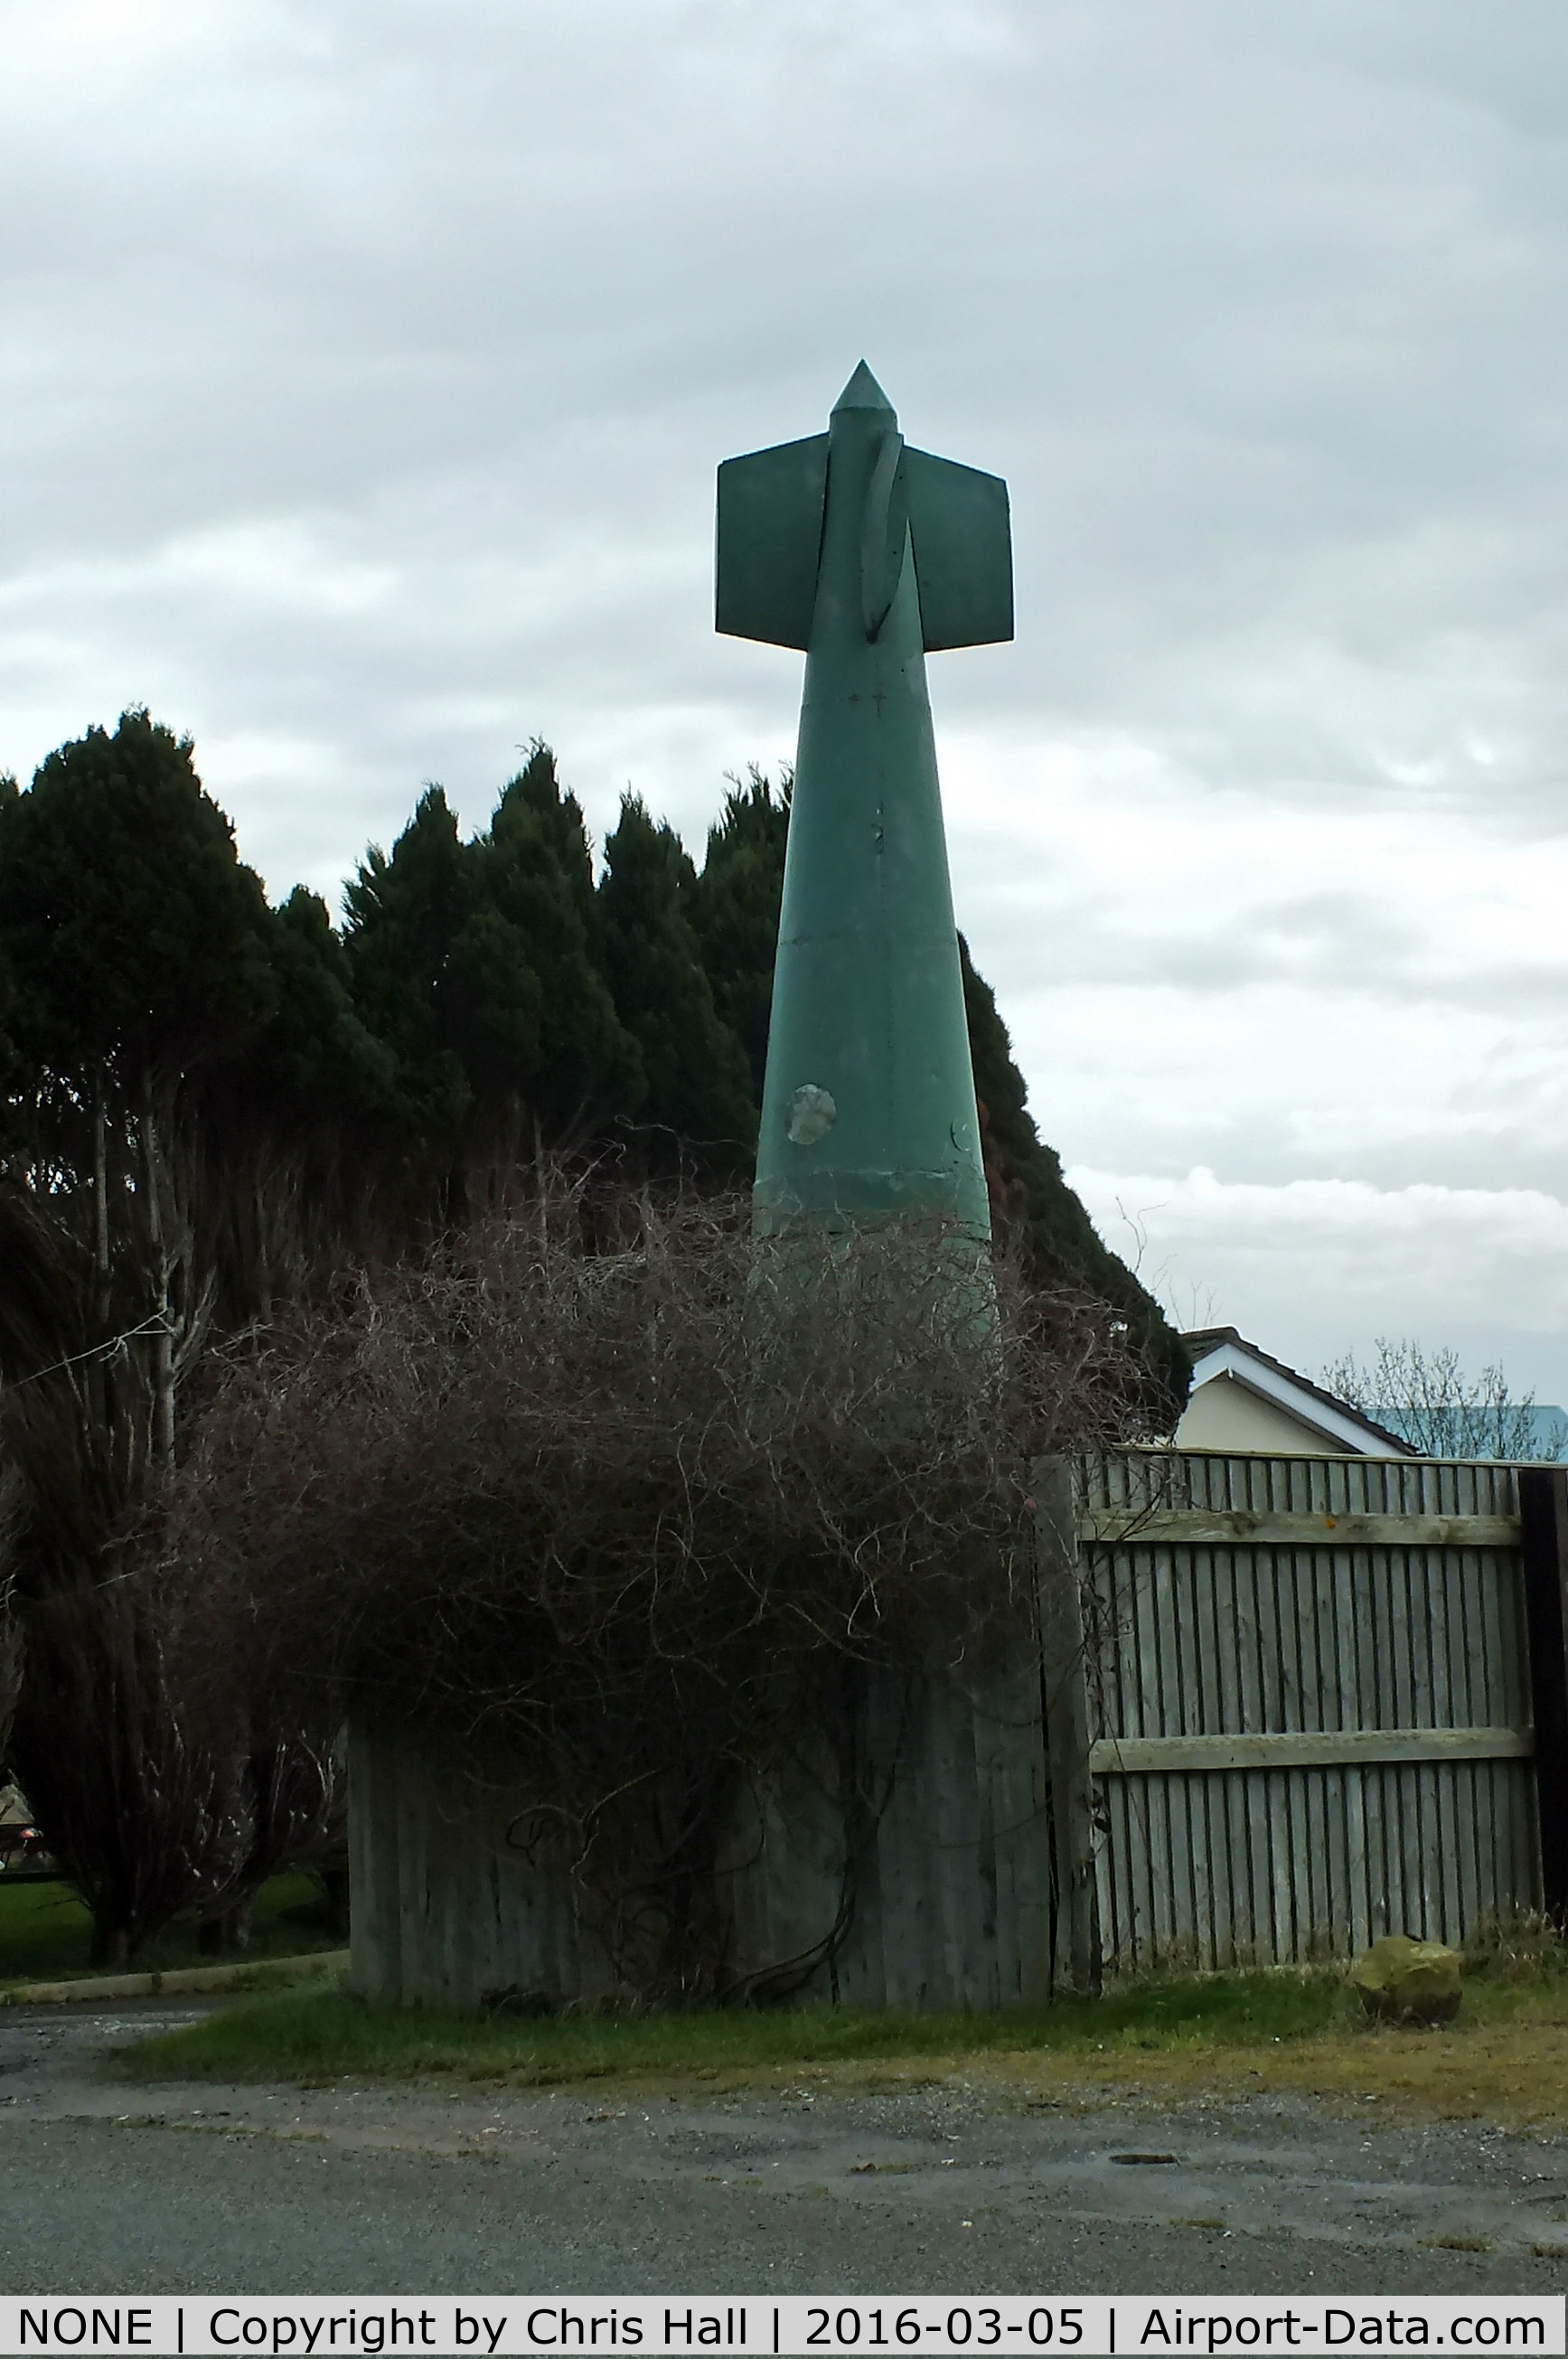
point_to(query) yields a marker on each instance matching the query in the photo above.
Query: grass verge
(45, 1930)
(328, 2032)
(1507, 2058)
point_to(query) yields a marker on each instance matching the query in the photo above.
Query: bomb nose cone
(863, 392)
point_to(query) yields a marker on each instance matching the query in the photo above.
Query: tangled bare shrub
(628, 1517)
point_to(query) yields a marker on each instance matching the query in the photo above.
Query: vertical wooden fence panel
(1543, 1502)
(1081, 1667)
(1310, 1701)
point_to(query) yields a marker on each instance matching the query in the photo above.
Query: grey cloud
(1196, 297)
(363, 373)
(1378, 946)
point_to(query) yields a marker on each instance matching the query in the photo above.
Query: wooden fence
(1308, 1705)
(910, 1867)
(1279, 1706)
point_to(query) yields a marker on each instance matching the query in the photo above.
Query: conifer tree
(536, 873)
(136, 939)
(317, 1060)
(140, 955)
(141, 961)
(1028, 1192)
(698, 1102)
(734, 909)
(405, 917)
(478, 967)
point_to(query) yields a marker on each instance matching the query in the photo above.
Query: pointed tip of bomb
(863, 392)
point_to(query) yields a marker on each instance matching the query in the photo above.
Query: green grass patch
(322, 2033)
(45, 1930)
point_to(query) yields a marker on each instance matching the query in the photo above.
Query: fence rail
(1117, 1756)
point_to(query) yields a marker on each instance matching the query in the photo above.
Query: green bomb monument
(904, 1860)
(866, 554)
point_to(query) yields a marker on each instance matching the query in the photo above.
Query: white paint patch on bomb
(812, 1114)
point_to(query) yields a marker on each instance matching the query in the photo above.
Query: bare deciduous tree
(140, 1732)
(1426, 1396)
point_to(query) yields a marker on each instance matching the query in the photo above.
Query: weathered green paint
(769, 541)
(868, 1110)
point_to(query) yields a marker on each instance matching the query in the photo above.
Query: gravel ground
(961, 2185)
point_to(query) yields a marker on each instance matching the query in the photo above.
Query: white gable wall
(1226, 1415)
(1243, 1400)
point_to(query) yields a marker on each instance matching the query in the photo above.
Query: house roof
(1224, 1352)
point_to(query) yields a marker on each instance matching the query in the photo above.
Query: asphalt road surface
(961, 2186)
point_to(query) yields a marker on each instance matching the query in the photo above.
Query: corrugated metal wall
(1308, 1703)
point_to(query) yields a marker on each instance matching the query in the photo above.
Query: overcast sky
(363, 373)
